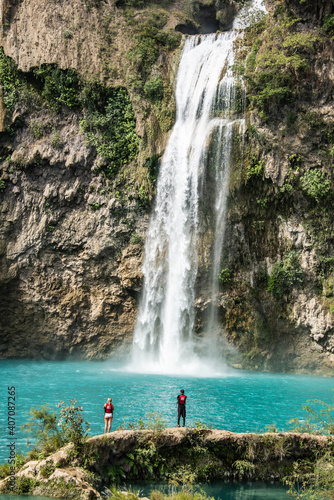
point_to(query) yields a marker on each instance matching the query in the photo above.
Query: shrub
(255, 168)
(42, 429)
(72, 423)
(278, 60)
(36, 129)
(59, 87)
(154, 89)
(224, 276)
(10, 81)
(56, 141)
(152, 164)
(328, 24)
(312, 482)
(68, 34)
(315, 185)
(320, 419)
(4, 471)
(136, 238)
(109, 125)
(47, 469)
(22, 486)
(284, 275)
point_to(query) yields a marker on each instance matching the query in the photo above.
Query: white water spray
(206, 105)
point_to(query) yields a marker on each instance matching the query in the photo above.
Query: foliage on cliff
(282, 187)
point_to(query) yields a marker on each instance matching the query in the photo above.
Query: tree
(42, 428)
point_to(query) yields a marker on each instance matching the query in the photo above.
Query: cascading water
(206, 114)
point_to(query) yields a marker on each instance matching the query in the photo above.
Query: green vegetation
(314, 481)
(47, 469)
(109, 125)
(224, 276)
(328, 24)
(11, 79)
(42, 428)
(56, 141)
(276, 62)
(285, 275)
(315, 184)
(72, 424)
(108, 118)
(149, 39)
(154, 89)
(152, 164)
(153, 421)
(36, 129)
(320, 418)
(47, 433)
(186, 493)
(58, 87)
(255, 168)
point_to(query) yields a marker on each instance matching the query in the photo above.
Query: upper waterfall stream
(194, 174)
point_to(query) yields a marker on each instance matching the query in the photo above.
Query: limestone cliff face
(281, 198)
(71, 243)
(71, 236)
(69, 272)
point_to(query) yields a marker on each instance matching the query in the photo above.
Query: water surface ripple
(238, 401)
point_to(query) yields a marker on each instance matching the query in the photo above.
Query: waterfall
(206, 118)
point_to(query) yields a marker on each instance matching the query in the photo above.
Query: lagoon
(237, 401)
(219, 491)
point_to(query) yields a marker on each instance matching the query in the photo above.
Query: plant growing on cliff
(285, 275)
(109, 125)
(149, 39)
(255, 168)
(277, 63)
(59, 87)
(154, 89)
(10, 80)
(315, 185)
(224, 276)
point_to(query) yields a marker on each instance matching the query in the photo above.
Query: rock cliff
(75, 198)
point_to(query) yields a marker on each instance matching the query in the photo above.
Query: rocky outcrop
(157, 455)
(69, 271)
(71, 239)
(312, 9)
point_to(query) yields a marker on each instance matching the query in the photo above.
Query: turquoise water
(238, 401)
(228, 490)
(21, 497)
(221, 491)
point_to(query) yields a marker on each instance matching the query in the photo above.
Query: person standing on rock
(181, 408)
(108, 414)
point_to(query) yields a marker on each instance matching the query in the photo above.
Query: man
(181, 408)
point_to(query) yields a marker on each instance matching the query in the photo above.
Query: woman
(108, 414)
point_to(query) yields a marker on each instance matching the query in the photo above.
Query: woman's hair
(109, 399)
